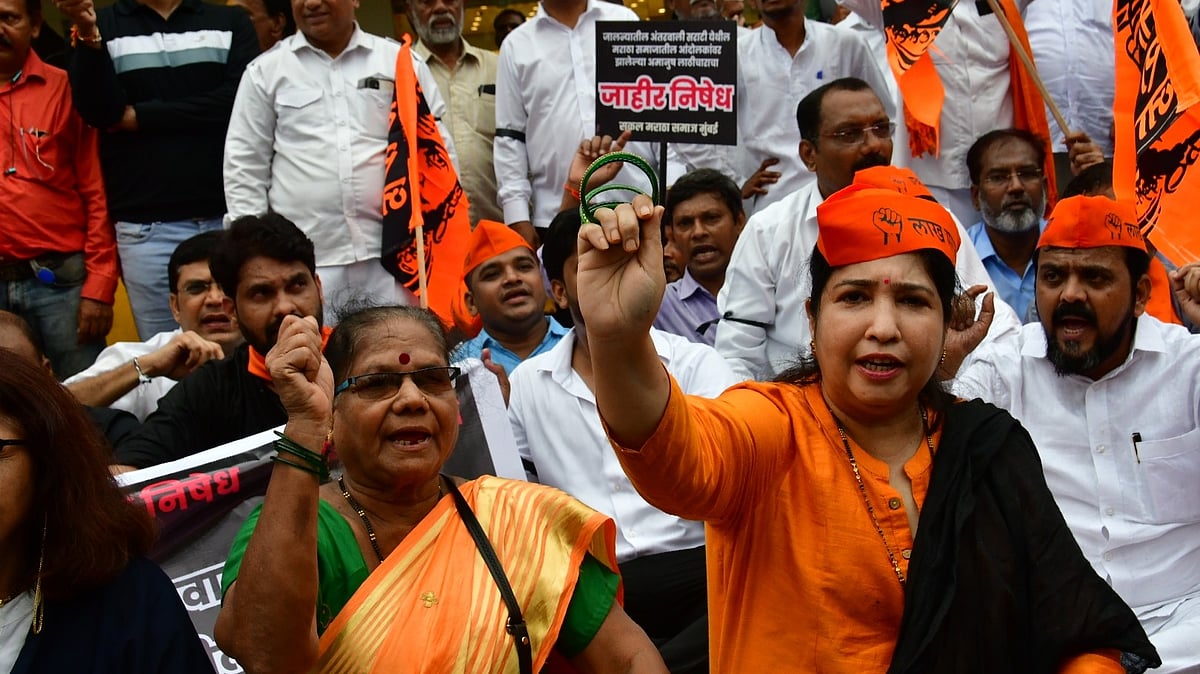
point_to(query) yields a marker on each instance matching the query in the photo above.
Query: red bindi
(404, 358)
(887, 281)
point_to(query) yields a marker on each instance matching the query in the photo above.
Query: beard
(266, 341)
(439, 36)
(1069, 358)
(1013, 222)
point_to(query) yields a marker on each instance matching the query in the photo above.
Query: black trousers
(666, 595)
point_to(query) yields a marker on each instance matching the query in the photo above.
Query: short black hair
(704, 181)
(11, 320)
(987, 140)
(199, 248)
(558, 245)
(1091, 181)
(34, 9)
(270, 235)
(503, 13)
(282, 7)
(808, 111)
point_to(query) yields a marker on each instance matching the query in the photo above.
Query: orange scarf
(432, 607)
(258, 362)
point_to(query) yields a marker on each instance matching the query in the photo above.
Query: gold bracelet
(93, 39)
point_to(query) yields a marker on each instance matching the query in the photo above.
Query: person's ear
(808, 154)
(173, 303)
(975, 196)
(469, 302)
(1141, 295)
(559, 290)
(812, 320)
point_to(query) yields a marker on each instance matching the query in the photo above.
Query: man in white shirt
(1008, 186)
(778, 65)
(466, 77)
(132, 376)
(971, 54)
(1072, 43)
(1111, 398)
(546, 105)
(560, 437)
(763, 327)
(308, 139)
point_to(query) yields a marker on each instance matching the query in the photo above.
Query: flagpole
(1029, 67)
(422, 277)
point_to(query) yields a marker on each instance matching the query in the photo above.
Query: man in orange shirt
(58, 261)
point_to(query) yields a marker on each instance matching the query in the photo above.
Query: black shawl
(997, 582)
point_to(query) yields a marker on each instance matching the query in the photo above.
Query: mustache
(870, 161)
(1073, 310)
(5, 41)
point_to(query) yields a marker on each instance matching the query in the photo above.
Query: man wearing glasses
(1009, 189)
(132, 376)
(844, 129)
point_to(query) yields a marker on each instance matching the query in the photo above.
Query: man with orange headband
(503, 287)
(1111, 397)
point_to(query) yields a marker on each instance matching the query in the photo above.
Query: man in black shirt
(269, 266)
(160, 76)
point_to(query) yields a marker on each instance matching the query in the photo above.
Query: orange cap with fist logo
(1092, 222)
(862, 223)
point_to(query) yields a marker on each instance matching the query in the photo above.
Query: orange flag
(910, 26)
(1158, 123)
(419, 172)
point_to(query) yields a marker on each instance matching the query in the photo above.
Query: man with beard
(504, 288)
(269, 268)
(844, 129)
(1009, 189)
(466, 76)
(561, 439)
(1111, 398)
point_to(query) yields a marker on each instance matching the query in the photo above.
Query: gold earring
(943, 360)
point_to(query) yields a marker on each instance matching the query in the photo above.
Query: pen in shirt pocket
(1136, 437)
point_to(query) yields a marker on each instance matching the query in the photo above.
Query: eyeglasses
(380, 385)
(1027, 176)
(197, 288)
(10, 443)
(856, 136)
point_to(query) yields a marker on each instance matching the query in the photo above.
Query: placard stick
(1029, 67)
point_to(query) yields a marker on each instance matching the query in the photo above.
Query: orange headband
(862, 223)
(489, 239)
(1092, 222)
(893, 178)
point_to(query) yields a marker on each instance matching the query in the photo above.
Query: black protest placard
(673, 82)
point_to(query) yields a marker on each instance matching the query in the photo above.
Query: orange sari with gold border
(433, 607)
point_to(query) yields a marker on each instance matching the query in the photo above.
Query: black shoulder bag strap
(516, 622)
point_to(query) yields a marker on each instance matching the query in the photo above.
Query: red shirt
(54, 202)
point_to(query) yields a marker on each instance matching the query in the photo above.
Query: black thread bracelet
(587, 210)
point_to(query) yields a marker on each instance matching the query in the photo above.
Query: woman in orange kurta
(813, 488)
(377, 571)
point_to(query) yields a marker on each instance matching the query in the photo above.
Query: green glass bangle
(284, 443)
(322, 475)
(587, 210)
